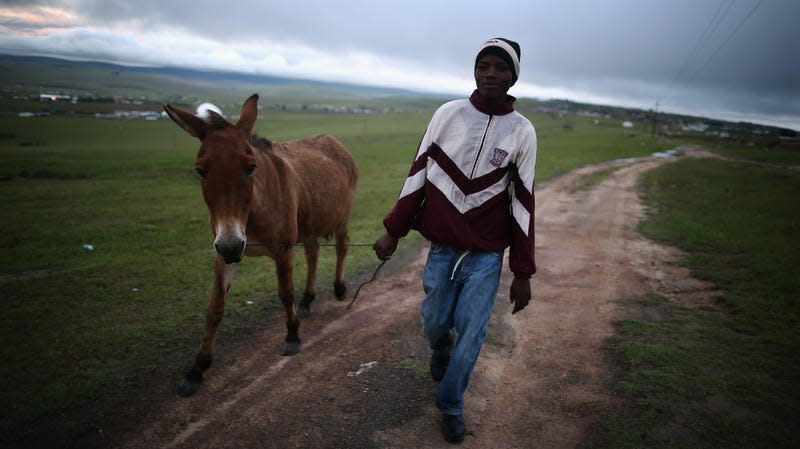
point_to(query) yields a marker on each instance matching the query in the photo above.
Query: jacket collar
(479, 102)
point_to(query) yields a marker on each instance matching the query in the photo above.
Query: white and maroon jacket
(471, 184)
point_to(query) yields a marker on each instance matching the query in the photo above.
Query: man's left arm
(522, 259)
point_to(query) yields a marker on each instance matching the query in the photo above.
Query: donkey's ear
(192, 124)
(249, 115)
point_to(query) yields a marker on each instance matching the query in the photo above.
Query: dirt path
(361, 379)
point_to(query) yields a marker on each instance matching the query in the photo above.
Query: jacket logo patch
(498, 157)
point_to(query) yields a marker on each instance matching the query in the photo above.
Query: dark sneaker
(439, 362)
(453, 428)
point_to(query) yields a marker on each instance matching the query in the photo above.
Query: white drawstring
(458, 262)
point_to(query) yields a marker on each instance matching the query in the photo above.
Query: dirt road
(361, 379)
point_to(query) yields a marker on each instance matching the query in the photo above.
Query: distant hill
(102, 87)
(29, 75)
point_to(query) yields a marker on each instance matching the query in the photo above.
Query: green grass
(79, 325)
(769, 150)
(587, 182)
(418, 368)
(725, 378)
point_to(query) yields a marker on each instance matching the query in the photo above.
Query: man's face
(493, 77)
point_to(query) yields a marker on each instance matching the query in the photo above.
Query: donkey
(263, 197)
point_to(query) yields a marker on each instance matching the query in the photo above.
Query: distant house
(53, 98)
(697, 127)
(130, 115)
(25, 114)
(627, 124)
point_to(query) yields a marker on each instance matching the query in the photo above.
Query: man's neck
(492, 106)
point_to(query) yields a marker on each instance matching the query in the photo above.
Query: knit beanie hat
(506, 49)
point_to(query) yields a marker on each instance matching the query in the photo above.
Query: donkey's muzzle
(230, 252)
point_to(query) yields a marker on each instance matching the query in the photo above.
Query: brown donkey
(263, 197)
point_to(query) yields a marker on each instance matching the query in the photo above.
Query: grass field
(83, 324)
(725, 377)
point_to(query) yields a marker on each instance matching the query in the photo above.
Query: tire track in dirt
(361, 378)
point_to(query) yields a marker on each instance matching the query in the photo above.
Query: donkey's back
(325, 177)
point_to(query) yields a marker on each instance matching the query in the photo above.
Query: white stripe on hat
(507, 48)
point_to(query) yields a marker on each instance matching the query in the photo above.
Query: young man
(470, 193)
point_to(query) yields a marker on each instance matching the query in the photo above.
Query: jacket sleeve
(522, 260)
(399, 221)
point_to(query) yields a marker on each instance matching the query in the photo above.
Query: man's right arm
(400, 219)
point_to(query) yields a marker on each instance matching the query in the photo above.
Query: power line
(730, 36)
(710, 29)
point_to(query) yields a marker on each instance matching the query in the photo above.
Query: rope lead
(374, 275)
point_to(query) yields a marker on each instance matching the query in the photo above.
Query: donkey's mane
(262, 143)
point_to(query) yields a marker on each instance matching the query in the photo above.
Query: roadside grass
(725, 376)
(587, 182)
(765, 150)
(82, 325)
(414, 366)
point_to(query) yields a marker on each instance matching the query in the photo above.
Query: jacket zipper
(480, 148)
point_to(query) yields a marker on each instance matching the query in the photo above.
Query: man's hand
(385, 246)
(520, 294)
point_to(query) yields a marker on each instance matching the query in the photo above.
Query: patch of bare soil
(361, 380)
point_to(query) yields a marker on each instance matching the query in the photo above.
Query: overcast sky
(730, 59)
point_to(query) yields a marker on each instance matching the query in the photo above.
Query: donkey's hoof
(188, 387)
(291, 348)
(340, 290)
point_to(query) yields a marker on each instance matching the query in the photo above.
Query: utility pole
(655, 119)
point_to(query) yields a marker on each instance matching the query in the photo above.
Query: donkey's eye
(200, 172)
(250, 169)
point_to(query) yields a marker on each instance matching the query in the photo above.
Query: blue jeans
(460, 288)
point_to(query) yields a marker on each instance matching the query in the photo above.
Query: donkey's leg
(223, 275)
(283, 265)
(342, 240)
(311, 249)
